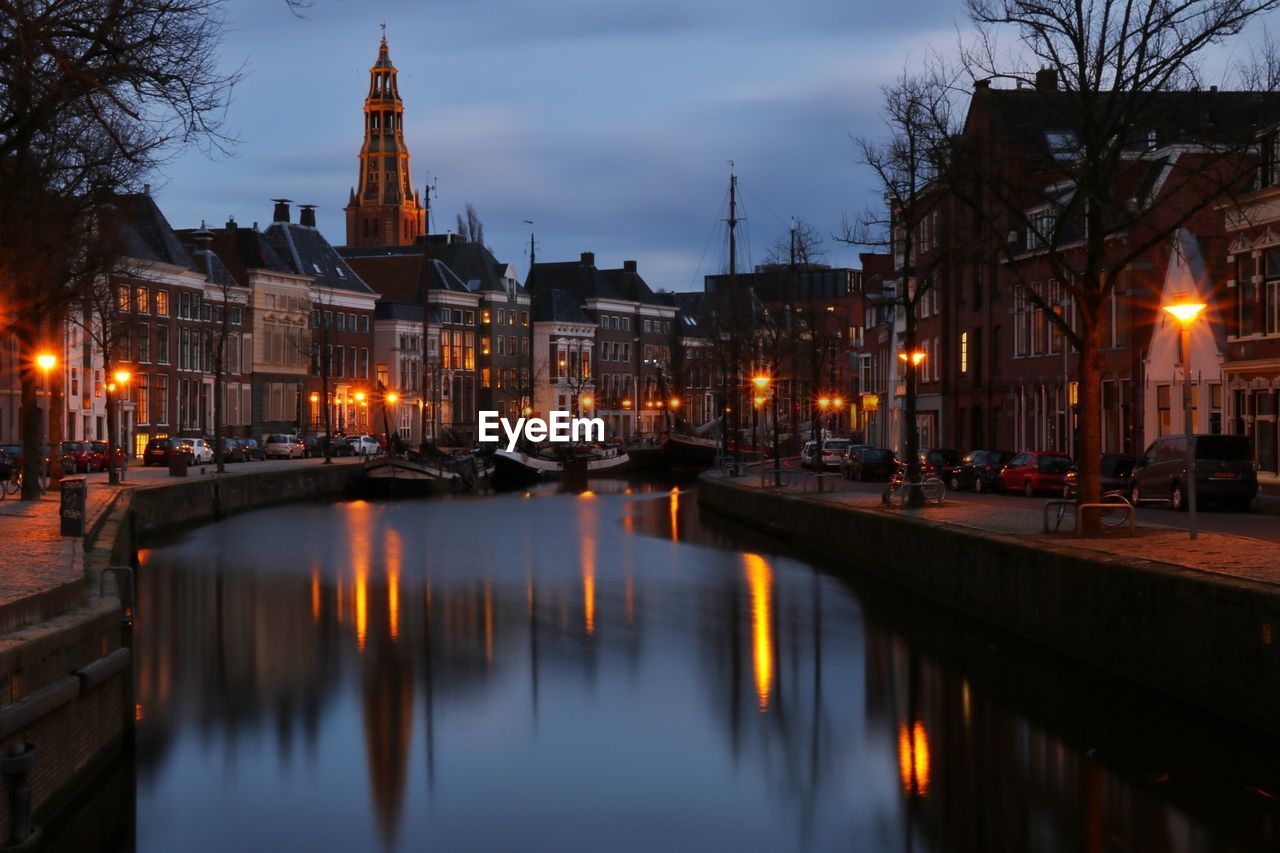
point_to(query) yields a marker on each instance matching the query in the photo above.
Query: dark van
(1225, 471)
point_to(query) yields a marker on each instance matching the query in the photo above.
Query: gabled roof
(243, 249)
(584, 281)
(1208, 115)
(144, 232)
(398, 272)
(558, 306)
(306, 252)
(385, 310)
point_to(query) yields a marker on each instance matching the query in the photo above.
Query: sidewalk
(39, 561)
(1214, 553)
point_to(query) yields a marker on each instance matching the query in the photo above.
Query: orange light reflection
(760, 584)
(913, 758)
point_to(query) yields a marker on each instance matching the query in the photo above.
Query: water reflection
(534, 673)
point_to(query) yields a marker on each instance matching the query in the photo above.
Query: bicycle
(10, 483)
(897, 491)
(1106, 517)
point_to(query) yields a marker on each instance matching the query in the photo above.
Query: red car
(1034, 471)
(81, 457)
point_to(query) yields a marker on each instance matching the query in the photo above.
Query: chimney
(629, 266)
(146, 189)
(231, 224)
(1047, 80)
(281, 213)
(982, 85)
(308, 215)
(588, 259)
(202, 237)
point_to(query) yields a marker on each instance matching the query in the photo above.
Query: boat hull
(684, 451)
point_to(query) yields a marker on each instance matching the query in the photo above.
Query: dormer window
(1062, 144)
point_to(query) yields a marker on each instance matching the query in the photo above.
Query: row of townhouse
(998, 374)
(274, 302)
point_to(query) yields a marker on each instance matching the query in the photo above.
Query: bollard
(74, 494)
(21, 758)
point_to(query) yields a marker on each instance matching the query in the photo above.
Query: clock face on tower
(384, 209)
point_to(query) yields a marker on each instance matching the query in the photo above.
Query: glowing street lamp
(392, 397)
(675, 402)
(1186, 311)
(46, 361)
(122, 377)
(762, 381)
(360, 397)
(913, 358)
(586, 402)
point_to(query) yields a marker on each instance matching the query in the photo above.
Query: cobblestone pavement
(37, 558)
(1224, 554)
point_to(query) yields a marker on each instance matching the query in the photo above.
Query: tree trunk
(218, 456)
(1089, 438)
(324, 401)
(32, 457)
(911, 430)
(57, 420)
(113, 435)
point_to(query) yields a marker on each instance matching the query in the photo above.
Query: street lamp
(763, 383)
(115, 448)
(46, 361)
(1186, 311)
(913, 358)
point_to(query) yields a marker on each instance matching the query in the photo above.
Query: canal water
(610, 672)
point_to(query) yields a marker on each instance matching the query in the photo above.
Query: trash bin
(178, 463)
(75, 494)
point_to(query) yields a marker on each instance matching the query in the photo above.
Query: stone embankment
(66, 701)
(1206, 635)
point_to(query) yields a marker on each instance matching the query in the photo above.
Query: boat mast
(735, 343)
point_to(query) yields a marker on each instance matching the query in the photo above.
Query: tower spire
(384, 209)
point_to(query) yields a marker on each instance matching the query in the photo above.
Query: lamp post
(763, 383)
(46, 362)
(115, 449)
(758, 401)
(837, 404)
(1185, 310)
(360, 418)
(824, 403)
(912, 360)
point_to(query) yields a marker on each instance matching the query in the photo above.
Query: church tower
(384, 209)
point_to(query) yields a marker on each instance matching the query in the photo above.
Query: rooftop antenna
(532, 245)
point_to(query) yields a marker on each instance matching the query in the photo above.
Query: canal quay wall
(1207, 639)
(66, 702)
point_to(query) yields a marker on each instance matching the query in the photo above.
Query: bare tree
(470, 228)
(918, 114)
(1109, 71)
(93, 95)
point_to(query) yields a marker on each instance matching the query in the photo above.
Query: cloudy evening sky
(610, 124)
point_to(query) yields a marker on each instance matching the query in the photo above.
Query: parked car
(366, 445)
(312, 447)
(809, 454)
(283, 446)
(201, 451)
(833, 451)
(1035, 471)
(1117, 472)
(157, 452)
(232, 451)
(100, 454)
(1225, 471)
(250, 449)
(78, 457)
(939, 463)
(979, 470)
(340, 446)
(870, 463)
